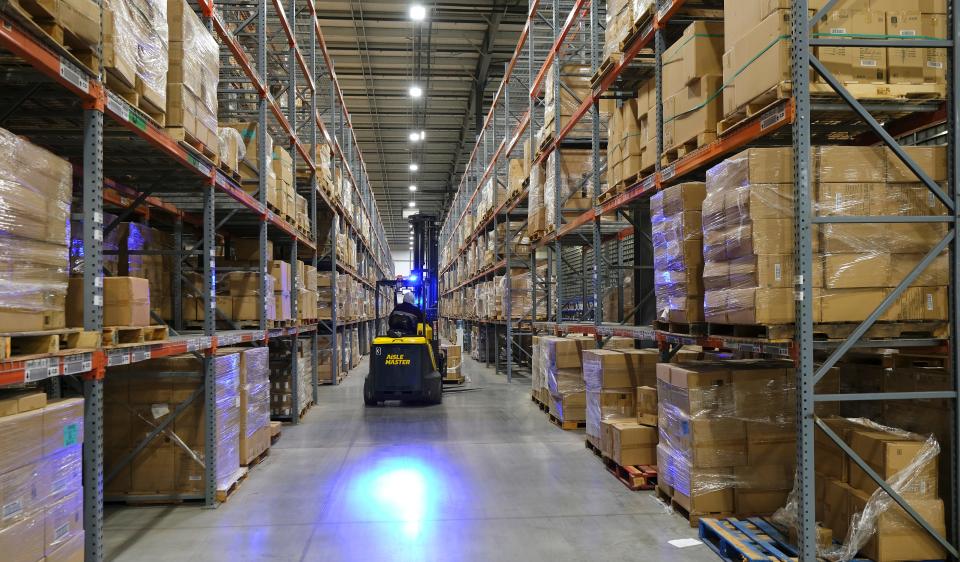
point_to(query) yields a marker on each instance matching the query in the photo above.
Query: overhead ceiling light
(415, 136)
(413, 188)
(418, 12)
(414, 167)
(423, 135)
(415, 91)
(412, 204)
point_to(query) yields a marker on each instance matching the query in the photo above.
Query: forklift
(406, 362)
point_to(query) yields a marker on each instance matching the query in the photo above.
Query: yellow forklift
(406, 362)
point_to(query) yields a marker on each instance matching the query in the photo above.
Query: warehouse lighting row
(418, 13)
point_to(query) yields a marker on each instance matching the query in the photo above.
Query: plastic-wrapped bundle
(573, 187)
(748, 236)
(519, 299)
(35, 196)
(139, 32)
(227, 449)
(574, 88)
(231, 147)
(678, 252)
(609, 381)
(722, 425)
(255, 390)
(861, 515)
(195, 60)
(563, 379)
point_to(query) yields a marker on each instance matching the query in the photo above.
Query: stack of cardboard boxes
(135, 42)
(280, 270)
(562, 388)
(571, 186)
(622, 15)
(692, 86)
(41, 477)
(242, 301)
(139, 397)
(748, 237)
(307, 300)
(678, 252)
(727, 435)
(254, 388)
(611, 377)
(282, 165)
(454, 361)
(193, 76)
(757, 43)
(36, 187)
(574, 87)
(281, 378)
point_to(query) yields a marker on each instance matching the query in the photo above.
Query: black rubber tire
(370, 402)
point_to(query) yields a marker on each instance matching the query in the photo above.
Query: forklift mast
(425, 258)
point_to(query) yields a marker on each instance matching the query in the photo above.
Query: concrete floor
(483, 477)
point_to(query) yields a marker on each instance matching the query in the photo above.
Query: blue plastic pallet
(746, 540)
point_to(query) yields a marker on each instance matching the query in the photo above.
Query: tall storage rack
(267, 49)
(787, 122)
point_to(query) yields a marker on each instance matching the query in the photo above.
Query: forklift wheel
(370, 402)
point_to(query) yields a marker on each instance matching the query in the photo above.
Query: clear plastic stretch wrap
(872, 522)
(520, 298)
(231, 146)
(620, 17)
(574, 88)
(227, 369)
(606, 403)
(574, 185)
(195, 60)
(35, 196)
(748, 236)
(140, 40)
(727, 434)
(257, 389)
(561, 364)
(678, 252)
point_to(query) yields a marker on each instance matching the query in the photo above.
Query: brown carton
(633, 444)
(647, 405)
(69, 551)
(21, 439)
(126, 301)
(897, 536)
(887, 455)
(18, 402)
(23, 541)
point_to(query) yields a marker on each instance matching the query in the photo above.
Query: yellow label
(396, 359)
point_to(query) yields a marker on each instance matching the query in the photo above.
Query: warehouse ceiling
(456, 53)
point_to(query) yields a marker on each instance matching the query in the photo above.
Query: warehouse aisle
(483, 477)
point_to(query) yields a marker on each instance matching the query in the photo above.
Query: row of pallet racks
(766, 185)
(191, 246)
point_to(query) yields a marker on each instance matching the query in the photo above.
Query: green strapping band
(689, 39)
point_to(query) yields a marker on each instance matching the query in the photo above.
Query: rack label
(73, 75)
(773, 117)
(118, 358)
(40, 369)
(140, 354)
(80, 363)
(117, 106)
(668, 172)
(648, 183)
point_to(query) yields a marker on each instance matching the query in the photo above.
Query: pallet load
(135, 53)
(326, 370)
(307, 303)
(727, 436)
(622, 16)
(281, 289)
(40, 477)
(520, 300)
(250, 166)
(242, 301)
(678, 252)
(573, 187)
(254, 386)
(692, 88)
(192, 80)
(756, 65)
(862, 518)
(282, 164)
(560, 359)
(281, 381)
(35, 188)
(610, 378)
(748, 238)
(574, 87)
(231, 148)
(454, 363)
(138, 399)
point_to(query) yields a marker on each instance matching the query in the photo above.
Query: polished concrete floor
(483, 477)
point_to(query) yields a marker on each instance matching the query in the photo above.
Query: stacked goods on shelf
(251, 165)
(192, 77)
(756, 65)
(41, 477)
(622, 15)
(454, 360)
(574, 87)
(573, 187)
(536, 213)
(611, 377)
(254, 435)
(354, 346)
(517, 173)
(647, 405)
(324, 174)
(325, 295)
(611, 297)
(72, 23)
(138, 398)
(283, 169)
(520, 297)
(280, 270)
(627, 131)
(326, 372)
(748, 237)
(307, 303)
(135, 53)
(678, 252)
(692, 86)
(281, 381)
(560, 359)
(861, 517)
(727, 436)
(35, 188)
(231, 148)
(242, 300)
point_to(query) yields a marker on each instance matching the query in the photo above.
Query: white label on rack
(98, 300)
(98, 281)
(662, 12)
(192, 345)
(668, 172)
(36, 370)
(115, 105)
(772, 117)
(73, 75)
(98, 235)
(648, 183)
(798, 296)
(159, 410)
(935, 64)
(97, 218)
(869, 63)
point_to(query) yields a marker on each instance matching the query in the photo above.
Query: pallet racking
(125, 160)
(797, 120)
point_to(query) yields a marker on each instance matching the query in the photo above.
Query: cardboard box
(633, 444)
(887, 455)
(647, 405)
(63, 521)
(248, 249)
(71, 550)
(898, 537)
(836, 507)
(21, 439)
(23, 541)
(863, 65)
(695, 54)
(758, 502)
(62, 425)
(126, 301)
(18, 402)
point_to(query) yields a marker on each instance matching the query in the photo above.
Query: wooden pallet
(567, 425)
(259, 458)
(234, 482)
(610, 193)
(123, 335)
(643, 477)
(839, 331)
(751, 539)
(592, 447)
(275, 431)
(454, 380)
(684, 148)
(692, 518)
(643, 21)
(692, 329)
(778, 94)
(19, 344)
(605, 67)
(54, 30)
(184, 137)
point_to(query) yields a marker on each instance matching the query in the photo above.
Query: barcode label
(118, 358)
(772, 117)
(115, 105)
(777, 271)
(929, 301)
(838, 31)
(73, 75)
(668, 172)
(61, 531)
(935, 64)
(12, 508)
(908, 33)
(39, 369)
(869, 63)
